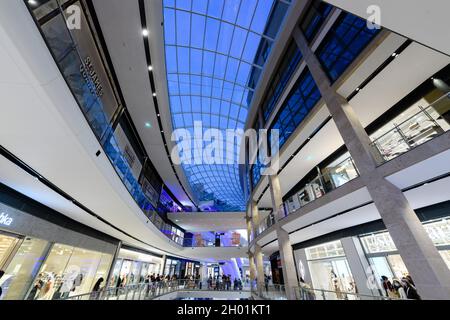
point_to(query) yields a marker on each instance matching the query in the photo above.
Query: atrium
(224, 150)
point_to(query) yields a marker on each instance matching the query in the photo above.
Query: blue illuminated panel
(345, 41)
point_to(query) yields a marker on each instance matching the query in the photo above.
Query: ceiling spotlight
(357, 89)
(154, 94)
(148, 125)
(150, 68)
(158, 115)
(145, 32)
(32, 2)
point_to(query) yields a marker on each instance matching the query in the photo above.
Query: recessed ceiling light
(145, 32)
(154, 94)
(357, 89)
(32, 2)
(150, 68)
(158, 114)
(148, 125)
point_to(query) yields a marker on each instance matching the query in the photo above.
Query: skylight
(215, 53)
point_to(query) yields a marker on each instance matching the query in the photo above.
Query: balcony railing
(322, 184)
(224, 242)
(412, 132)
(150, 291)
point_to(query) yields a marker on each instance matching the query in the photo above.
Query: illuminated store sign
(5, 219)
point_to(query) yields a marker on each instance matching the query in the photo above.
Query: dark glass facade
(302, 99)
(314, 19)
(279, 81)
(345, 41)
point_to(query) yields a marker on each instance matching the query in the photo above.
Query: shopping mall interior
(224, 150)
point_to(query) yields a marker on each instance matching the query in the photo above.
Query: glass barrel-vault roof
(215, 52)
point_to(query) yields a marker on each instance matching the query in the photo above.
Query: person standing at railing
(266, 282)
(96, 290)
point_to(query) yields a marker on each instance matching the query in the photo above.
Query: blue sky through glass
(211, 49)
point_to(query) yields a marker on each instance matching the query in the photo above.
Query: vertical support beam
(113, 263)
(426, 266)
(255, 217)
(164, 259)
(362, 275)
(287, 264)
(251, 262)
(276, 195)
(259, 269)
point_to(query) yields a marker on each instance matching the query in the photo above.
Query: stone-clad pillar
(276, 195)
(259, 268)
(284, 243)
(426, 266)
(287, 263)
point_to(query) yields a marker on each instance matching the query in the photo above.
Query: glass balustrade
(330, 179)
(412, 132)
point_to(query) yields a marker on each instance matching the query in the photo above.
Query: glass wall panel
(343, 43)
(314, 18)
(68, 271)
(23, 269)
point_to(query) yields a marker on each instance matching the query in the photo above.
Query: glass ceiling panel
(214, 50)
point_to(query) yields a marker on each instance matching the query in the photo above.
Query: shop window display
(382, 252)
(23, 268)
(330, 271)
(68, 271)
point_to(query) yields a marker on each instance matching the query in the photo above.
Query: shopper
(388, 288)
(96, 289)
(210, 281)
(266, 282)
(1, 275)
(399, 289)
(411, 292)
(306, 291)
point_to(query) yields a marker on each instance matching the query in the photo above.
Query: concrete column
(426, 266)
(249, 229)
(163, 266)
(276, 195)
(287, 263)
(365, 282)
(259, 268)
(255, 217)
(252, 266)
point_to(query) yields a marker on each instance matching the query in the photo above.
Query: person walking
(399, 289)
(96, 289)
(411, 292)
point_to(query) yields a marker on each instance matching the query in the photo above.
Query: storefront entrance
(330, 271)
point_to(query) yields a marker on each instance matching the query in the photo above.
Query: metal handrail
(423, 110)
(150, 291)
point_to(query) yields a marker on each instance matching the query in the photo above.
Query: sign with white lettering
(5, 219)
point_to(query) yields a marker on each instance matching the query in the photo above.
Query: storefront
(384, 258)
(330, 270)
(181, 269)
(43, 257)
(133, 267)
